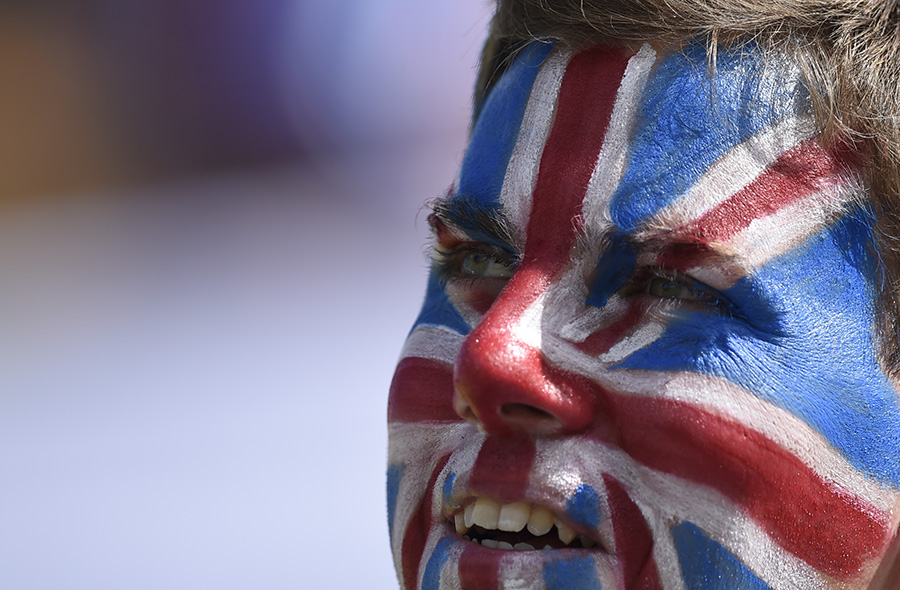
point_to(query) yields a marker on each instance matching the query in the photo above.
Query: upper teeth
(512, 518)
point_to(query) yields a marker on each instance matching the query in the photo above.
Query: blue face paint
(494, 134)
(613, 270)
(437, 310)
(569, 574)
(690, 118)
(431, 579)
(585, 507)
(806, 343)
(394, 475)
(706, 565)
(798, 333)
(448, 487)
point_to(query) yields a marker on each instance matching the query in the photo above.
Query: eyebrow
(680, 250)
(475, 221)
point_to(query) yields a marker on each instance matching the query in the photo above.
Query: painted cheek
(421, 391)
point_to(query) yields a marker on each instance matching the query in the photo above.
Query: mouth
(519, 526)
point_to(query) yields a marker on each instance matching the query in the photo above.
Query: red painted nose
(506, 386)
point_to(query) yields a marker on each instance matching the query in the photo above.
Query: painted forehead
(677, 140)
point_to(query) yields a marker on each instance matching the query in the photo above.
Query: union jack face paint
(647, 355)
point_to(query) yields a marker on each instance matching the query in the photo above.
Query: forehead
(644, 141)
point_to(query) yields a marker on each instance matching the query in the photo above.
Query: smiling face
(647, 355)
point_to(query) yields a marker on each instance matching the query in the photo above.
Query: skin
(651, 311)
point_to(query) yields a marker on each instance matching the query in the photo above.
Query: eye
(665, 284)
(474, 274)
(667, 289)
(480, 264)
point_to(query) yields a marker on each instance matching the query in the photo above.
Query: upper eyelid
(469, 220)
(445, 256)
(645, 274)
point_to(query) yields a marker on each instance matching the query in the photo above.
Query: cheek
(421, 391)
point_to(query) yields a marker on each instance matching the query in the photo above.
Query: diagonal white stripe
(771, 236)
(728, 399)
(537, 122)
(732, 172)
(433, 342)
(611, 160)
(666, 500)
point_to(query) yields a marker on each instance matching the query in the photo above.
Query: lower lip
(477, 566)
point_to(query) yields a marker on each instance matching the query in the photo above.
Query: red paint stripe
(416, 534)
(648, 578)
(634, 541)
(502, 468)
(586, 99)
(804, 514)
(683, 257)
(422, 391)
(602, 340)
(491, 362)
(796, 174)
(479, 569)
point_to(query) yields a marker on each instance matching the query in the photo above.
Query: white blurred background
(211, 250)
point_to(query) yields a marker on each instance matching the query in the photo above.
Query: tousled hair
(848, 52)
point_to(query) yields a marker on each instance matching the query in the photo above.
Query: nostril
(524, 410)
(530, 418)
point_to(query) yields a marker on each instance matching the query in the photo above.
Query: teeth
(566, 535)
(514, 517)
(460, 521)
(541, 521)
(467, 516)
(486, 513)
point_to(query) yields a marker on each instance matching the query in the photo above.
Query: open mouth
(517, 526)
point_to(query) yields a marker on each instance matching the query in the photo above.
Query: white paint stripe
(771, 236)
(646, 334)
(430, 544)
(720, 396)
(670, 500)
(732, 172)
(520, 571)
(537, 122)
(665, 554)
(417, 446)
(450, 574)
(433, 342)
(590, 319)
(728, 399)
(611, 160)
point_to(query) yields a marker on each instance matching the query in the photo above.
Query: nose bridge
(502, 380)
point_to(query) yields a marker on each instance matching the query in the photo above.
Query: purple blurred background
(211, 244)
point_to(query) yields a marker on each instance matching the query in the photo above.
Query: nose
(503, 382)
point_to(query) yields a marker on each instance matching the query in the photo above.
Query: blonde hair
(848, 52)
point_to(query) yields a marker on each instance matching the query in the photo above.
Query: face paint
(647, 354)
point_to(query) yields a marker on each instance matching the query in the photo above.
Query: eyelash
(449, 261)
(647, 279)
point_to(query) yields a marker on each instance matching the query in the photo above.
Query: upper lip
(532, 523)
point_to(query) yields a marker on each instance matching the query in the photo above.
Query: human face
(650, 324)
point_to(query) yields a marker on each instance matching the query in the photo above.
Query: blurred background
(211, 250)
